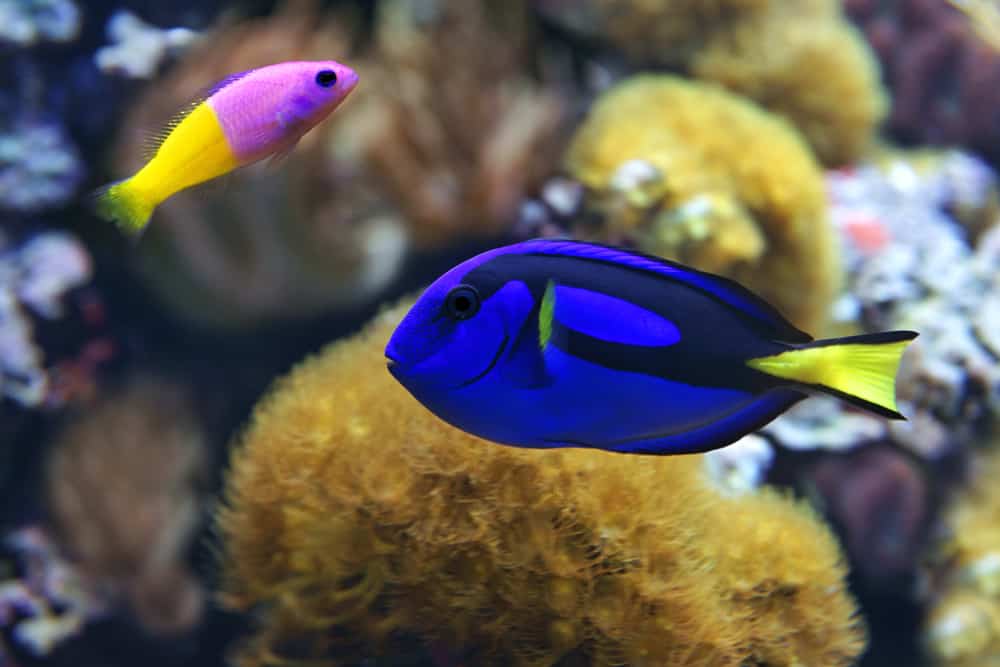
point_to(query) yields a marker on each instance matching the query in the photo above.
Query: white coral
(137, 48)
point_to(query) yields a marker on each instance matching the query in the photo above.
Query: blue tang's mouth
(393, 366)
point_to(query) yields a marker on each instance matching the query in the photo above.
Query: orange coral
(748, 202)
(454, 132)
(122, 490)
(352, 515)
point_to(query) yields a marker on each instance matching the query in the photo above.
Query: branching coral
(36, 278)
(353, 515)
(45, 602)
(26, 22)
(455, 133)
(122, 489)
(138, 48)
(910, 225)
(40, 167)
(694, 173)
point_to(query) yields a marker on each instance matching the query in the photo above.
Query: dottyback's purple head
(266, 110)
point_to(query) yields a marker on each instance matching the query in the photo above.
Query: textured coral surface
(353, 515)
(748, 202)
(123, 493)
(963, 626)
(808, 65)
(797, 58)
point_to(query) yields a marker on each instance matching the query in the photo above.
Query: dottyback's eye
(326, 78)
(462, 302)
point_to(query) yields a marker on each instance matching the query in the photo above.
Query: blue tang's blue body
(553, 343)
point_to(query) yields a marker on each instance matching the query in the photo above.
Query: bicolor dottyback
(244, 118)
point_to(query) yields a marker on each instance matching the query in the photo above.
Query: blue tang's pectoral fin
(525, 366)
(714, 435)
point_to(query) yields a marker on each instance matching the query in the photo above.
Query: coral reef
(882, 502)
(741, 466)
(422, 154)
(664, 32)
(809, 66)
(122, 485)
(912, 265)
(455, 149)
(40, 167)
(796, 58)
(25, 22)
(47, 602)
(963, 626)
(748, 203)
(944, 78)
(500, 553)
(137, 48)
(35, 277)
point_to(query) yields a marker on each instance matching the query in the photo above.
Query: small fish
(553, 343)
(244, 118)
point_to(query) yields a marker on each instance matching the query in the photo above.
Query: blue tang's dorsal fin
(722, 289)
(603, 317)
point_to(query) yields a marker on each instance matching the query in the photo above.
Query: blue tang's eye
(326, 78)
(462, 302)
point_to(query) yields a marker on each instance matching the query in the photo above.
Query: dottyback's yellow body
(194, 151)
(246, 117)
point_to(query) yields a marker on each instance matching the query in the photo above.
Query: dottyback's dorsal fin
(154, 141)
(722, 289)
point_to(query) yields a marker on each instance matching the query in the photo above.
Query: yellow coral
(353, 515)
(721, 184)
(963, 628)
(665, 32)
(799, 58)
(816, 71)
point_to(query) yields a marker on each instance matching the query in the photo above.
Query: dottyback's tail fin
(859, 369)
(125, 205)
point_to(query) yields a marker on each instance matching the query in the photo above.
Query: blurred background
(837, 157)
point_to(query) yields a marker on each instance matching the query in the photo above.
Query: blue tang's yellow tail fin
(860, 369)
(125, 205)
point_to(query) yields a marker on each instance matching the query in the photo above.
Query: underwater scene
(445, 333)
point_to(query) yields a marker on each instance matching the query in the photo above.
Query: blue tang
(555, 343)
